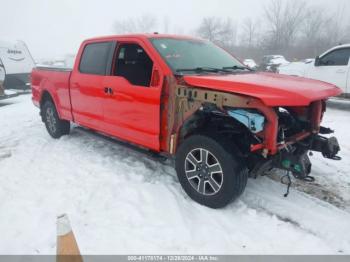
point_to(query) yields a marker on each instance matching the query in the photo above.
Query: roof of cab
(140, 36)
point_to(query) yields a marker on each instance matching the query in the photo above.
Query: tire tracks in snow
(262, 194)
(312, 215)
(317, 190)
(7, 145)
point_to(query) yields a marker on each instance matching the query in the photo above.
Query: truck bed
(56, 81)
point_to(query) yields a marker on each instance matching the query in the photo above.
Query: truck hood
(272, 89)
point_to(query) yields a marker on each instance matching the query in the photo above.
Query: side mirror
(317, 61)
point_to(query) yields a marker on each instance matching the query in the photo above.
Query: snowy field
(120, 201)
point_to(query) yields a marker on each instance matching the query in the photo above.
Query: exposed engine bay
(292, 157)
(279, 137)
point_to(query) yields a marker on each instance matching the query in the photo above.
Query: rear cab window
(96, 58)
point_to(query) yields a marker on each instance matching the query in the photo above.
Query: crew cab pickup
(187, 99)
(332, 66)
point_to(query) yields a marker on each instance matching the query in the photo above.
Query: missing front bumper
(329, 147)
(294, 157)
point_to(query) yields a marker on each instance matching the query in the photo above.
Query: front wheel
(55, 126)
(210, 171)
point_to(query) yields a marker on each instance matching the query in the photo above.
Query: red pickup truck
(186, 98)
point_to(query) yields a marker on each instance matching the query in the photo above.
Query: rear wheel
(54, 125)
(209, 171)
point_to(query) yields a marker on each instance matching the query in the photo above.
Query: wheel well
(215, 123)
(45, 97)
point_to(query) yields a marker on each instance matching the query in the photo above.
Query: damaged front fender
(183, 101)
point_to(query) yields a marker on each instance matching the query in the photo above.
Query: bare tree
(312, 32)
(221, 31)
(322, 30)
(166, 24)
(144, 24)
(250, 32)
(274, 19)
(284, 18)
(336, 30)
(291, 28)
(294, 16)
(209, 28)
(314, 24)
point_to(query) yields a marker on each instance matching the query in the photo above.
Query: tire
(218, 182)
(54, 125)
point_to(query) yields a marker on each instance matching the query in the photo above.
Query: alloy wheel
(51, 120)
(203, 171)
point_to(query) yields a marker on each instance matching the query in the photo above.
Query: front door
(333, 68)
(132, 111)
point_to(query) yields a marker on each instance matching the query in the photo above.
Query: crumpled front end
(281, 135)
(299, 131)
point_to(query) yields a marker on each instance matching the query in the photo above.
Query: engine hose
(288, 183)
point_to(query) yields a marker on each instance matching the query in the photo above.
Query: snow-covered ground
(120, 201)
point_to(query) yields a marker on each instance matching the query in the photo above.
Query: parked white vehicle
(18, 64)
(332, 67)
(272, 62)
(250, 63)
(295, 68)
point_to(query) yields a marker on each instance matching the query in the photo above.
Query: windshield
(186, 54)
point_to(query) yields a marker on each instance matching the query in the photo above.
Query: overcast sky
(56, 27)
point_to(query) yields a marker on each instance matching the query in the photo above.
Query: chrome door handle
(108, 90)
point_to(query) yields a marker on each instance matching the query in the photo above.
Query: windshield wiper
(202, 69)
(235, 67)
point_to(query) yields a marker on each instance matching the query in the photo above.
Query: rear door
(87, 84)
(132, 111)
(333, 68)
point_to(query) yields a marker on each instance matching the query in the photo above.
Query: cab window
(338, 57)
(133, 63)
(95, 58)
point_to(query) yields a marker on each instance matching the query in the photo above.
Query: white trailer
(17, 64)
